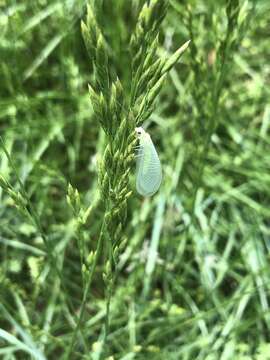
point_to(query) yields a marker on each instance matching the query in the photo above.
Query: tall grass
(90, 269)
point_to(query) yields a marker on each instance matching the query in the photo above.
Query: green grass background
(194, 278)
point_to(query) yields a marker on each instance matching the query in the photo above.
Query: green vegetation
(89, 268)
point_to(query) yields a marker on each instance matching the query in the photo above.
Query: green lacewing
(148, 171)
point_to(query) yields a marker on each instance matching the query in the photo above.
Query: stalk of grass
(210, 107)
(118, 114)
(23, 203)
(207, 90)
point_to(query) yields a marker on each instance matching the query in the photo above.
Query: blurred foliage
(194, 275)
